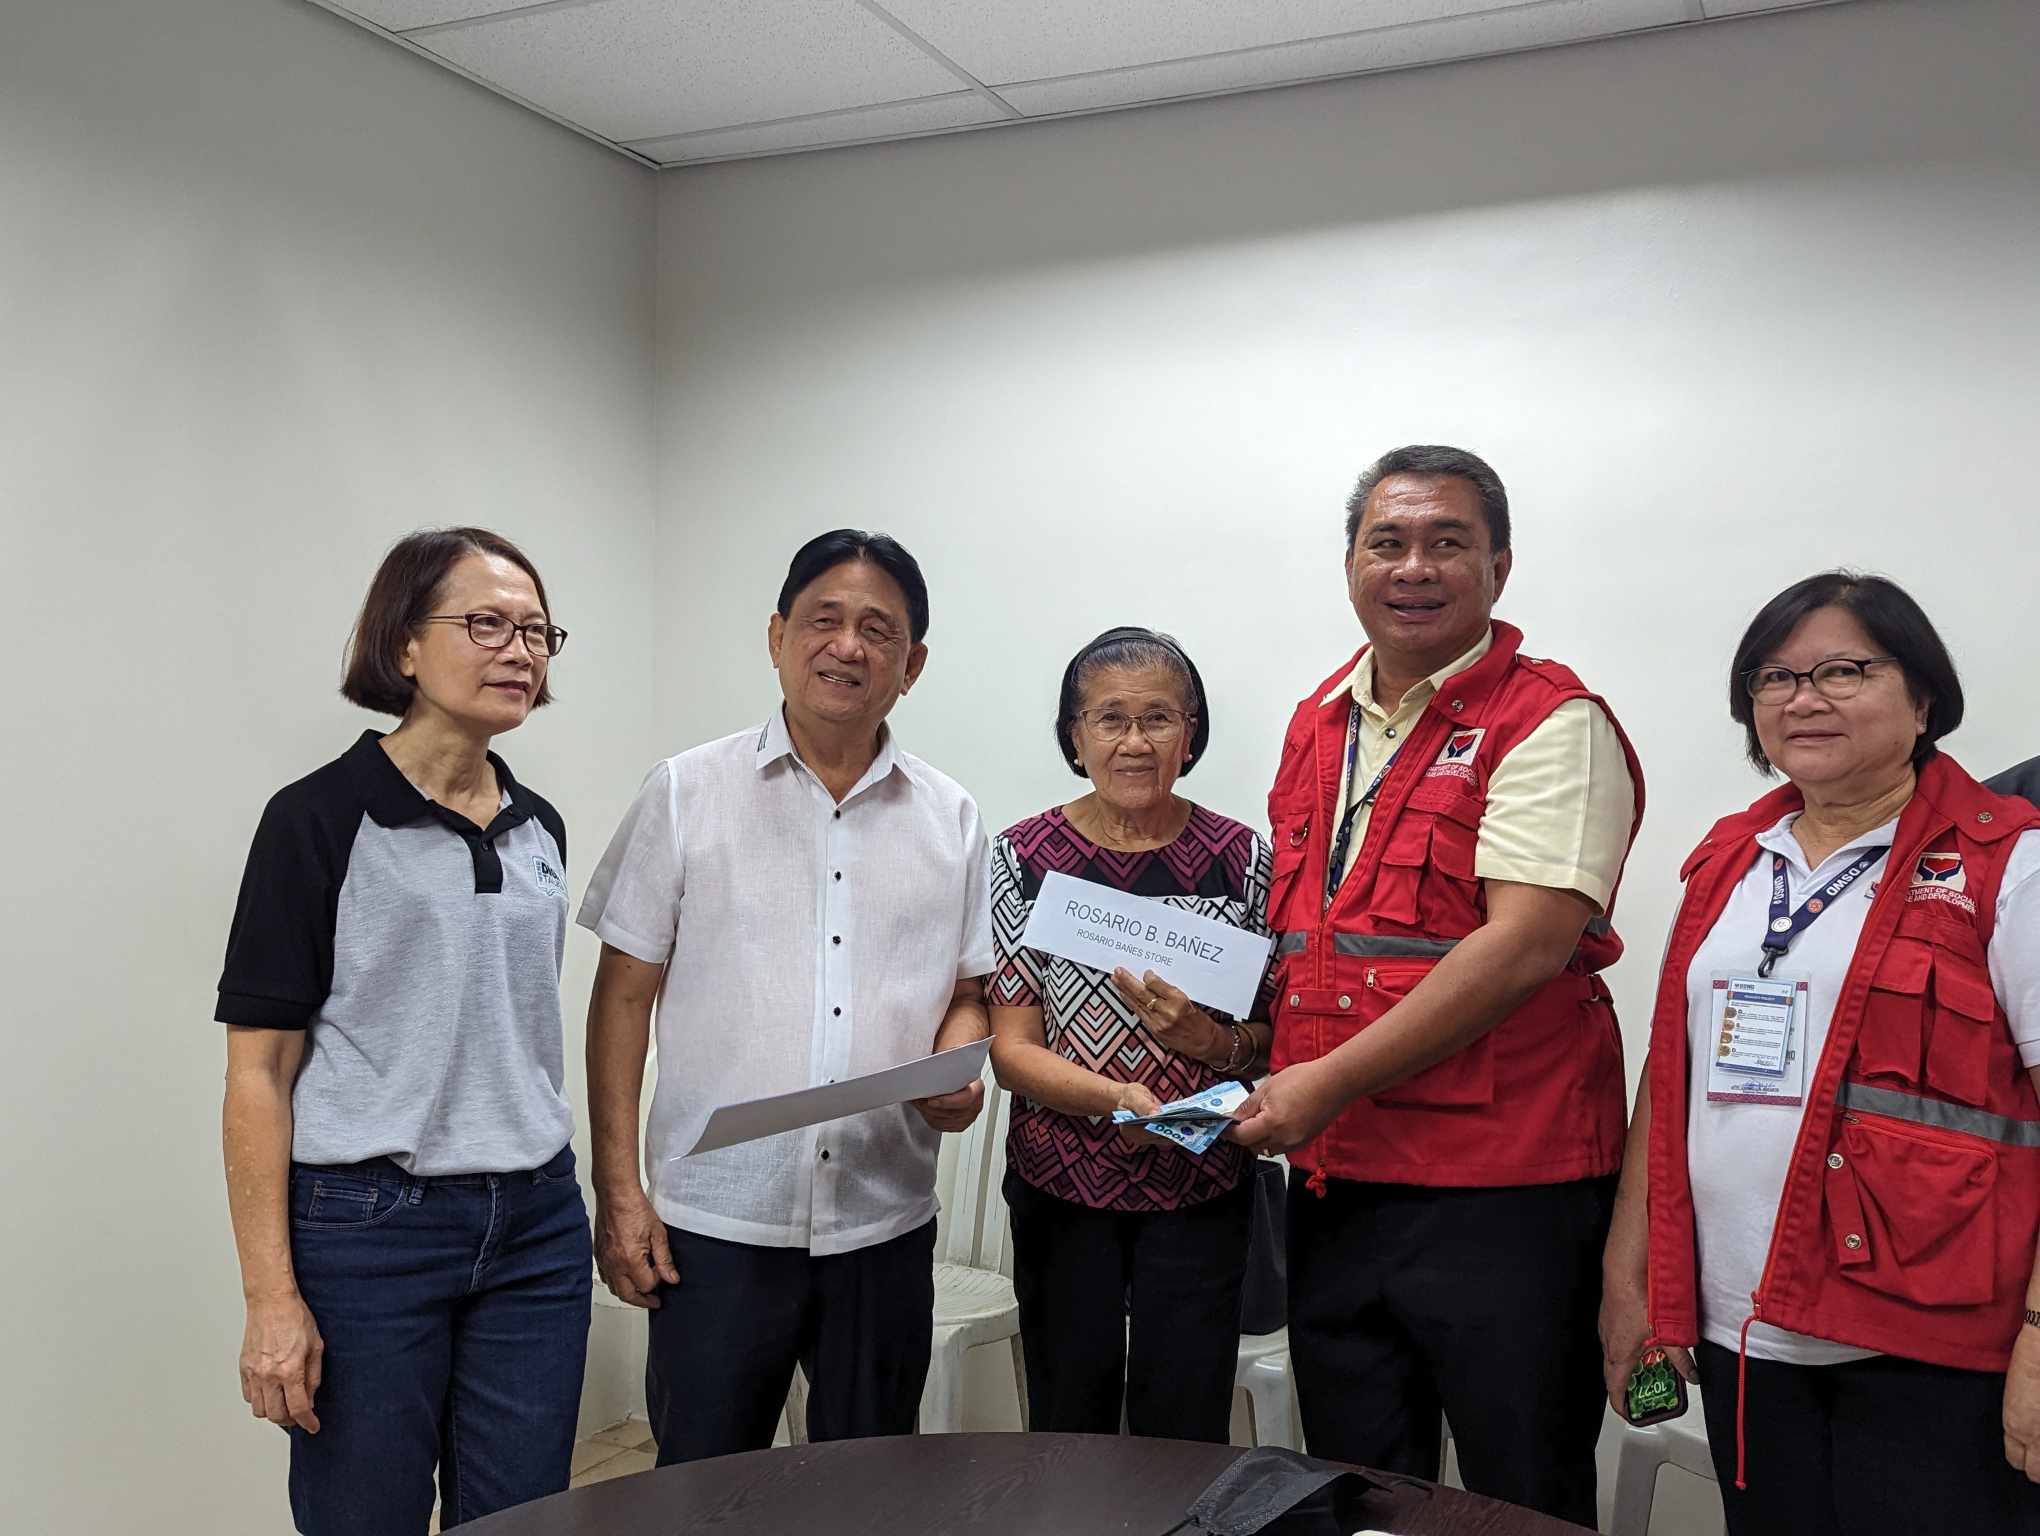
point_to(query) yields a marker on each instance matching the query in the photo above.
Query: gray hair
(1131, 646)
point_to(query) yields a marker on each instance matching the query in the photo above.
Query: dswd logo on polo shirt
(1455, 758)
(1940, 877)
(549, 879)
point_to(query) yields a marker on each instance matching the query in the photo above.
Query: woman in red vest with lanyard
(1832, 1189)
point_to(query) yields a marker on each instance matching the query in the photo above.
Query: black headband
(1150, 637)
(1139, 636)
(1129, 634)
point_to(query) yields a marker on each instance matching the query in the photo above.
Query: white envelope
(924, 1078)
(1217, 964)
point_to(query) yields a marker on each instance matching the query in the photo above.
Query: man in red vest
(1450, 823)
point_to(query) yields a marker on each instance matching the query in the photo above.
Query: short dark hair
(1434, 459)
(1129, 646)
(824, 552)
(406, 588)
(1896, 624)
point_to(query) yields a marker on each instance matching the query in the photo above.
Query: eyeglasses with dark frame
(1159, 726)
(492, 632)
(1839, 677)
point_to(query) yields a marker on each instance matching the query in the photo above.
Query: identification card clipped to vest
(1756, 1042)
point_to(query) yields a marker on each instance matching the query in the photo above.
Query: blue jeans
(455, 1315)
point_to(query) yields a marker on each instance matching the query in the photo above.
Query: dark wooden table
(931, 1485)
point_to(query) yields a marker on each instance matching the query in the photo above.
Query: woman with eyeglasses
(1128, 1250)
(413, 1248)
(1829, 1206)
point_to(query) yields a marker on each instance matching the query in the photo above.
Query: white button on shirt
(805, 941)
(1739, 1154)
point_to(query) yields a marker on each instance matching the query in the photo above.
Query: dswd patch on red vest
(1940, 877)
(1455, 758)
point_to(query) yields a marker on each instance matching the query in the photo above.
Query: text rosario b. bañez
(1134, 928)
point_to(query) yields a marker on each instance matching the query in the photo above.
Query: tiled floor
(614, 1452)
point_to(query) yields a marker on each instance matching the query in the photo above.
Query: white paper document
(1217, 964)
(924, 1078)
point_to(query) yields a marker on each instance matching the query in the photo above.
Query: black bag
(1283, 1494)
(1264, 1296)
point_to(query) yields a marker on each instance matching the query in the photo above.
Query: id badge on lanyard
(1756, 1037)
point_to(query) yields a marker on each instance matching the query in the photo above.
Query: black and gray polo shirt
(423, 955)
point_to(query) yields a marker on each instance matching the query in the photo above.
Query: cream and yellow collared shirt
(1558, 807)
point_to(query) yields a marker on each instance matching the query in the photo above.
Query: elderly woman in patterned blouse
(1128, 1250)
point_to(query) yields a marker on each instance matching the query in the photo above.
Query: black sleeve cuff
(262, 1012)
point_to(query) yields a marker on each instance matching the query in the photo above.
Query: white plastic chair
(1640, 1452)
(1271, 1401)
(974, 1300)
(1264, 1376)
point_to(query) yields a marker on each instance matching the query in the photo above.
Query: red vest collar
(1472, 687)
(1944, 794)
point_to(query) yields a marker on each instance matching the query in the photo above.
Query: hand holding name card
(1172, 1018)
(952, 1112)
(1108, 930)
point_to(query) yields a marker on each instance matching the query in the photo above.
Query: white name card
(1217, 964)
(923, 1078)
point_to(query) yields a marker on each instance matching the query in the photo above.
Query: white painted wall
(272, 293)
(1724, 307)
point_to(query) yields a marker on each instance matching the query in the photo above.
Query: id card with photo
(1756, 1043)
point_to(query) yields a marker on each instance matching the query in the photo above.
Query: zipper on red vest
(1316, 1182)
(1742, 1380)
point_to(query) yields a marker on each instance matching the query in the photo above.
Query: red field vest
(1910, 1209)
(1539, 1098)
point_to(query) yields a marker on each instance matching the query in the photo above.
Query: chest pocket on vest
(1290, 845)
(1427, 865)
(1931, 1018)
(1911, 1212)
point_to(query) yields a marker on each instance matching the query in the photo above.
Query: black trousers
(1139, 1307)
(1861, 1449)
(1482, 1303)
(724, 1342)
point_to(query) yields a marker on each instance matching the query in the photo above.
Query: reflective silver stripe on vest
(1941, 1115)
(1371, 946)
(1598, 926)
(1382, 946)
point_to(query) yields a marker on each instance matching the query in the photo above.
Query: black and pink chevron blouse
(1217, 868)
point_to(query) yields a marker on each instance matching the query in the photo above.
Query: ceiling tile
(896, 120)
(399, 15)
(1039, 39)
(642, 69)
(1425, 43)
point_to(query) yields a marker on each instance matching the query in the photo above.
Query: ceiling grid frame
(1005, 108)
(980, 100)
